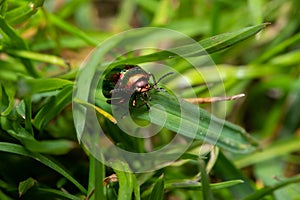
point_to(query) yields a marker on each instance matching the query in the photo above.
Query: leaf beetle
(127, 82)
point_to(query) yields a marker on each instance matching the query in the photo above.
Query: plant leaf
(209, 45)
(158, 189)
(206, 191)
(54, 106)
(267, 190)
(24, 186)
(17, 42)
(197, 123)
(59, 193)
(24, 12)
(226, 170)
(32, 86)
(10, 92)
(18, 149)
(126, 179)
(96, 174)
(277, 149)
(55, 147)
(195, 185)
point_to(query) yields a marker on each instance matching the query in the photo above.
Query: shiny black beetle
(127, 82)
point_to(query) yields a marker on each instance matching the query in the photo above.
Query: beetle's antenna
(153, 78)
(164, 76)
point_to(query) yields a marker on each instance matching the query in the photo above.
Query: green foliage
(255, 46)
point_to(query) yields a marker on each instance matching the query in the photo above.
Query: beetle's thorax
(137, 82)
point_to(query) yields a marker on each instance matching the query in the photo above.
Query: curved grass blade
(158, 189)
(54, 147)
(59, 193)
(32, 86)
(227, 171)
(54, 106)
(99, 110)
(96, 173)
(17, 42)
(195, 185)
(24, 12)
(232, 137)
(209, 45)
(24, 186)
(268, 190)
(18, 149)
(127, 181)
(72, 29)
(275, 150)
(10, 92)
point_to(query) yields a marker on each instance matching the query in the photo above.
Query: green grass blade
(226, 40)
(208, 127)
(33, 86)
(17, 42)
(53, 107)
(209, 45)
(126, 180)
(206, 191)
(158, 190)
(280, 48)
(268, 190)
(72, 29)
(24, 12)
(17, 149)
(24, 186)
(28, 114)
(3, 196)
(225, 170)
(96, 189)
(10, 92)
(59, 193)
(195, 185)
(38, 57)
(55, 147)
(275, 150)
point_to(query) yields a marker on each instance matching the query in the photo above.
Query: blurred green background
(43, 43)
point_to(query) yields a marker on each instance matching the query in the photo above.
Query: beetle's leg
(145, 98)
(134, 99)
(145, 102)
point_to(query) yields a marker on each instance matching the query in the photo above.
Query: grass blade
(206, 191)
(268, 190)
(209, 45)
(18, 149)
(232, 138)
(227, 171)
(158, 190)
(17, 42)
(32, 86)
(53, 107)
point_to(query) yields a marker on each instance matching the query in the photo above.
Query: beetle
(127, 82)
